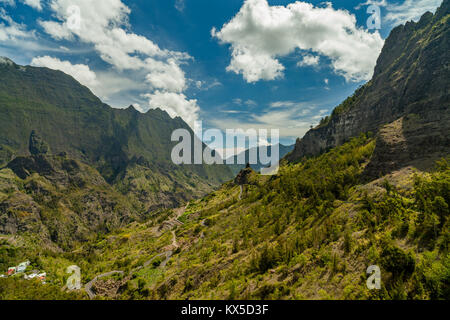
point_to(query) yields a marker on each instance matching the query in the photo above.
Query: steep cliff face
(70, 118)
(131, 150)
(411, 78)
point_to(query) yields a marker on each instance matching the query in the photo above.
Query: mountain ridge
(72, 120)
(410, 78)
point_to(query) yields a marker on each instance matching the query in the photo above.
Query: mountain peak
(409, 82)
(7, 61)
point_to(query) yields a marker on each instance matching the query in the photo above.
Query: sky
(261, 64)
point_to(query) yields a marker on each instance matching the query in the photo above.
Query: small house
(11, 271)
(22, 267)
(30, 276)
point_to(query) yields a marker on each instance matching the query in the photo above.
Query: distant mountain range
(84, 184)
(235, 168)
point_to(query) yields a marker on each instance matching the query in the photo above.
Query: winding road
(168, 254)
(88, 286)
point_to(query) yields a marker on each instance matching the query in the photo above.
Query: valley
(87, 185)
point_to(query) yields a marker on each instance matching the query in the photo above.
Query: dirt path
(174, 240)
(240, 193)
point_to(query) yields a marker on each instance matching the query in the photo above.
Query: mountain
(406, 103)
(235, 168)
(312, 230)
(309, 232)
(131, 150)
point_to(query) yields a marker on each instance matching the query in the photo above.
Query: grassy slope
(73, 120)
(309, 232)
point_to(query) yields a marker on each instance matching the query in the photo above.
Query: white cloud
(176, 104)
(11, 30)
(167, 76)
(138, 107)
(36, 4)
(57, 30)
(82, 73)
(380, 3)
(292, 118)
(309, 60)
(410, 10)
(8, 2)
(104, 24)
(260, 34)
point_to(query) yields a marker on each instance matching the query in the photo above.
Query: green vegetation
(309, 232)
(44, 111)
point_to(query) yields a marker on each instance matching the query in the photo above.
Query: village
(22, 269)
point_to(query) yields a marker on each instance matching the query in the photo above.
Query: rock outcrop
(38, 145)
(411, 80)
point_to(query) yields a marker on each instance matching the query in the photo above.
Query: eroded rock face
(20, 213)
(243, 177)
(410, 140)
(411, 78)
(25, 166)
(38, 145)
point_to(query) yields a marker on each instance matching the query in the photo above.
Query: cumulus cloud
(11, 30)
(260, 34)
(292, 118)
(308, 60)
(400, 13)
(82, 73)
(36, 4)
(176, 104)
(138, 107)
(167, 76)
(410, 10)
(104, 24)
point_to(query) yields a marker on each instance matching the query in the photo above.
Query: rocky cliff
(131, 150)
(411, 81)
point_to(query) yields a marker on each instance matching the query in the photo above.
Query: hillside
(308, 233)
(369, 186)
(409, 92)
(131, 150)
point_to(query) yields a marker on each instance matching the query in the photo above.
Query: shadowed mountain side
(128, 148)
(411, 80)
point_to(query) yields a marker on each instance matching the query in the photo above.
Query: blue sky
(277, 64)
